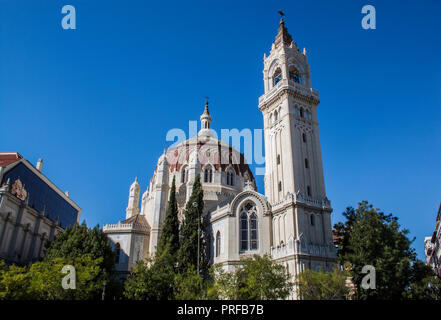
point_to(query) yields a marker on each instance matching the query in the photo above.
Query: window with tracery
(249, 234)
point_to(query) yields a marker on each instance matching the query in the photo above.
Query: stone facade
(32, 210)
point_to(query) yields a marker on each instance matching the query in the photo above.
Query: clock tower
(294, 183)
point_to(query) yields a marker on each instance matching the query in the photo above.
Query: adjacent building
(33, 210)
(432, 246)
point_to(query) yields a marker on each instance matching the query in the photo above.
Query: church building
(291, 221)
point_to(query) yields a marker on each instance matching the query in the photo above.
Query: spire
(283, 36)
(135, 183)
(133, 205)
(205, 121)
(206, 112)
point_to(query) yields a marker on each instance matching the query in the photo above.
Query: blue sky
(96, 102)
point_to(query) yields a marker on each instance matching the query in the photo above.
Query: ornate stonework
(18, 190)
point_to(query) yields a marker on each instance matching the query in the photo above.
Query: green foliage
(152, 279)
(43, 280)
(190, 285)
(226, 284)
(188, 245)
(256, 278)
(78, 240)
(318, 285)
(170, 229)
(372, 238)
(88, 250)
(424, 284)
(14, 281)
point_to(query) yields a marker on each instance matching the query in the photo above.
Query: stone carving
(18, 190)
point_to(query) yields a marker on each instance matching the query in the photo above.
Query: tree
(80, 240)
(226, 284)
(170, 228)
(14, 281)
(424, 283)
(256, 278)
(318, 285)
(188, 245)
(190, 285)
(370, 237)
(43, 280)
(152, 279)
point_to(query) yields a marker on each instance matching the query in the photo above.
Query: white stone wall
(31, 229)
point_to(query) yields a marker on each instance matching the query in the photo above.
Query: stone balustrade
(295, 247)
(291, 84)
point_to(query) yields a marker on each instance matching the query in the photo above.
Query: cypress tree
(188, 245)
(170, 228)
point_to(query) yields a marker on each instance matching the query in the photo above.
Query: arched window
(218, 244)
(306, 163)
(208, 174)
(184, 174)
(243, 231)
(312, 220)
(301, 113)
(276, 116)
(230, 177)
(117, 252)
(249, 237)
(277, 76)
(294, 75)
(304, 137)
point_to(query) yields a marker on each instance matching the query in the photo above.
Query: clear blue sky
(97, 102)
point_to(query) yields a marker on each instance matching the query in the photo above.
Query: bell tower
(294, 184)
(289, 107)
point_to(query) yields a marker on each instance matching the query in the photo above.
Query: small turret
(133, 205)
(205, 122)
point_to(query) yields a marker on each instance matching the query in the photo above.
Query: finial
(136, 179)
(283, 37)
(206, 106)
(281, 16)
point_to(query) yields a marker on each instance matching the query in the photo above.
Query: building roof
(15, 167)
(6, 158)
(138, 219)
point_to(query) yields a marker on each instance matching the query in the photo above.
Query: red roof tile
(6, 158)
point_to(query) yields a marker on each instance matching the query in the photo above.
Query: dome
(223, 170)
(207, 150)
